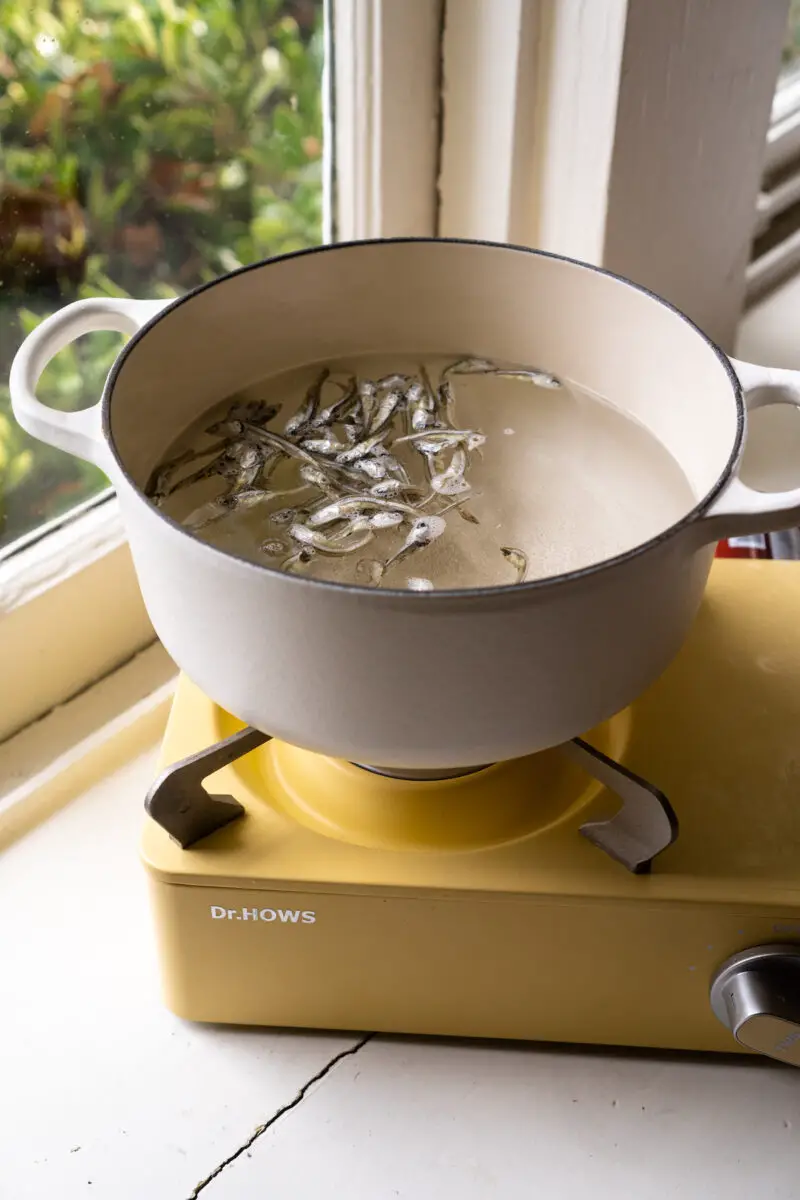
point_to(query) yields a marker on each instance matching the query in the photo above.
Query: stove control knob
(757, 995)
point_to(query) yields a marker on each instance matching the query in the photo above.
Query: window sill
(70, 612)
(77, 744)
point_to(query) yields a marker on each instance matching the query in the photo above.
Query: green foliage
(145, 148)
(791, 46)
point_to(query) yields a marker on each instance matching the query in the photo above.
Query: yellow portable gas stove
(554, 897)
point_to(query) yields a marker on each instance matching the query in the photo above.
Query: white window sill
(77, 744)
(102, 1086)
(70, 611)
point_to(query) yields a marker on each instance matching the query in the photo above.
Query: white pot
(400, 679)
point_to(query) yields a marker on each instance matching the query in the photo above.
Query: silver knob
(757, 995)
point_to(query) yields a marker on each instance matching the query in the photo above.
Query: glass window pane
(145, 146)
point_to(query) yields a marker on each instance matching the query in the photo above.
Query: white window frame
(387, 116)
(780, 190)
(629, 133)
(632, 136)
(783, 136)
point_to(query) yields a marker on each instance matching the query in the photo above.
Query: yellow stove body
(473, 907)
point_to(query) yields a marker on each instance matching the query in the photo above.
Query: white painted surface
(696, 89)
(99, 1083)
(102, 1092)
(529, 111)
(783, 140)
(55, 759)
(482, 1122)
(386, 120)
(770, 331)
(488, 100)
(70, 611)
(775, 265)
(629, 133)
(579, 60)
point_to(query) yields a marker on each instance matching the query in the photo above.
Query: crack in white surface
(276, 1116)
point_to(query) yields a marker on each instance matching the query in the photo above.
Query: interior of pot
(433, 299)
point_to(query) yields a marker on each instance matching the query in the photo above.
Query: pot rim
(497, 590)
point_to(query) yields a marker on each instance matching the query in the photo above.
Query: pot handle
(80, 432)
(739, 509)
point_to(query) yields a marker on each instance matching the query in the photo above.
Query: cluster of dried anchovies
(352, 484)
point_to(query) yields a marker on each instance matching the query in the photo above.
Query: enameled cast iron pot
(403, 679)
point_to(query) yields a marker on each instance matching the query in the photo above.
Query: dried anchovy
(424, 531)
(470, 366)
(466, 515)
(233, 502)
(373, 468)
(482, 366)
(158, 487)
(323, 445)
(361, 449)
(274, 548)
(287, 516)
(240, 463)
(451, 481)
(394, 487)
(441, 439)
(368, 396)
(300, 558)
(393, 382)
(281, 443)
(542, 379)
(386, 520)
(322, 480)
(517, 559)
(385, 411)
(257, 412)
(316, 540)
(394, 468)
(350, 506)
(305, 415)
(421, 404)
(446, 403)
(340, 408)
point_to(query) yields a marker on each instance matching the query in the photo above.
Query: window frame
(386, 66)
(70, 611)
(634, 139)
(529, 121)
(592, 130)
(780, 190)
(783, 136)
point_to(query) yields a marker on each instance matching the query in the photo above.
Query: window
(145, 147)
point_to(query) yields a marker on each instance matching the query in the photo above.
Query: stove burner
(642, 828)
(424, 776)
